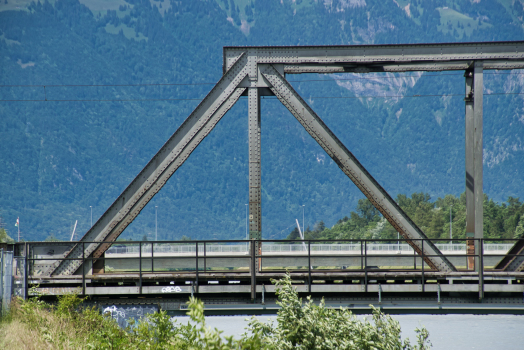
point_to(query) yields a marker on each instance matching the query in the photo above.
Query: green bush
(299, 326)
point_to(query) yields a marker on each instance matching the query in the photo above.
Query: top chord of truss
(383, 58)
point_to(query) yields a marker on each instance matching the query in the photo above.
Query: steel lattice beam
(159, 169)
(382, 58)
(354, 170)
(254, 70)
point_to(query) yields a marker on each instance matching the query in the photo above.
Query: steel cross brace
(242, 70)
(353, 169)
(159, 169)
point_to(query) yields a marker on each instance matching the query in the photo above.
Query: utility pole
(91, 215)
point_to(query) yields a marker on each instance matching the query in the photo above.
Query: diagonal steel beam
(514, 259)
(159, 169)
(354, 170)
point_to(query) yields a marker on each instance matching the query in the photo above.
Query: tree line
(435, 218)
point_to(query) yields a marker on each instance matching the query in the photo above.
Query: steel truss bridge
(260, 71)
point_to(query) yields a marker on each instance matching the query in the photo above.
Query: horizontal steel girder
(159, 169)
(394, 58)
(354, 170)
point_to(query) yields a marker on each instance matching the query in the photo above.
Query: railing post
(366, 264)
(152, 257)
(414, 259)
(423, 281)
(26, 270)
(196, 267)
(140, 267)
(309, 264)
(205, 262)
(253, 272)
(83, 269)
(481, 270)
(361, 256)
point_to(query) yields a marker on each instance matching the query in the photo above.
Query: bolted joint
(255, 235)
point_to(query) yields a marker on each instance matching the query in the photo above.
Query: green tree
(4, 237)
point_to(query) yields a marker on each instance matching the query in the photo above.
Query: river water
(445, 331)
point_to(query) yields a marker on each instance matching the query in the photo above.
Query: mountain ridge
(59, 158)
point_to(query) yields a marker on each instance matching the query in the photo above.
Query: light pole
(450, 226)
(303, 227)
(91, 215)
(156, 223)
(246, 224)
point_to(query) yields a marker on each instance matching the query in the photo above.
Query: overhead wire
(291, 81)
(199, 99)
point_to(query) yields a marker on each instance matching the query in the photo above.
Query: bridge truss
(256, 71)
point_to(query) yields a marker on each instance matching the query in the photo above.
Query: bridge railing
(272, 247)
(194, 258)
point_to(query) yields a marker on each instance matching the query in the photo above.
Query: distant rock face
(387, 85)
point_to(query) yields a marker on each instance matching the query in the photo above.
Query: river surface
(445, 331)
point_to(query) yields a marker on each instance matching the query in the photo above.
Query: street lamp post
(246, 224)
(156, 223)
(303, 227)
(91, 215)
(450, 226)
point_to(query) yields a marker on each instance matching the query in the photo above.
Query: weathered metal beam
(159, 169)
(446, 56)
(470, 170)
(354, 170)
(255, 207)
(478, 93)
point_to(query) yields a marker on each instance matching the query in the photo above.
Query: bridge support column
(255, 192)
(255, 209)
(474, 162)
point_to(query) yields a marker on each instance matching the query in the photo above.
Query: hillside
(80, 140)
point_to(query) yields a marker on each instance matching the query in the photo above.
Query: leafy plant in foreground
(311, 326)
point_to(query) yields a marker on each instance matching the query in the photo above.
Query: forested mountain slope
(84, 107)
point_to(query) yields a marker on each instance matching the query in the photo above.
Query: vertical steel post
(255, 200)
(83, 269)
(26, 270)
(423, 281)
(253, 271)
(1, 282)
(414, 259)
(152, 257)
(470, 170)
(196, 266)
(255, 208)
(478, 86)
(309, 264)
(481, 270)
(366, 264)
(205, 262)
(361, 255)
(140, 267)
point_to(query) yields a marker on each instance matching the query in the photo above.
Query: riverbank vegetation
(501, 220)
(34, 324)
